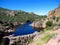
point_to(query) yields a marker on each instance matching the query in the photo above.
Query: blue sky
(40, 7)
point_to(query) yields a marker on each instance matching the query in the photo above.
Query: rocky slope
(55, 12)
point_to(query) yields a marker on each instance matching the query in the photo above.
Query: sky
(40, 7)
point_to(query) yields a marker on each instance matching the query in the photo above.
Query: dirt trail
(55, 40)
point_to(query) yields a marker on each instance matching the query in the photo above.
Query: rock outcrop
(55, 12)
(39, 25)
(21, 40)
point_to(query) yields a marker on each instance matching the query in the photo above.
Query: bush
(49, 23)
(53, 17)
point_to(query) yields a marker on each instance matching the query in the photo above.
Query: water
(24, 29)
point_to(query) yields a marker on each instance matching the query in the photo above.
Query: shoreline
(26, 38)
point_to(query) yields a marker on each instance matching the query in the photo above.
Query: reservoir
(24, 29)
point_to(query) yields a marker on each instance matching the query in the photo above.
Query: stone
(21, 40)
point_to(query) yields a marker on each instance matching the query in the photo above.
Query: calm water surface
(24, 29)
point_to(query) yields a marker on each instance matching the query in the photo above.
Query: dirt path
(55, 40)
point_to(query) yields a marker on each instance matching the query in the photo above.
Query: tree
(49, 23)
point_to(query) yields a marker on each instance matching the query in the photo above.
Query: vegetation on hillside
(20, 16)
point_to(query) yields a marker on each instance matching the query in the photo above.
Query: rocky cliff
(55, 12)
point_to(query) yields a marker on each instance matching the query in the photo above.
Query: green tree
(49, 23)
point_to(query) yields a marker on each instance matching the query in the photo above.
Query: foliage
(31, 40)
(20, 16)
(53, 17)
(57, 19)
(45, 38)
(49, 23)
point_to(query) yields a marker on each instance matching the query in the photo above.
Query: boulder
(38, 25)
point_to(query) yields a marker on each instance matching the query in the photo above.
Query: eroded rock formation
(55, 12)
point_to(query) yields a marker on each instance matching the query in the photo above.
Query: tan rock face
(51, 13)
(10, 13)
(55, 12)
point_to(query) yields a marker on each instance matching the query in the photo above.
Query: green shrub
(49, 23)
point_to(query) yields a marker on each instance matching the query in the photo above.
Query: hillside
(55, 12)
(17, 15)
